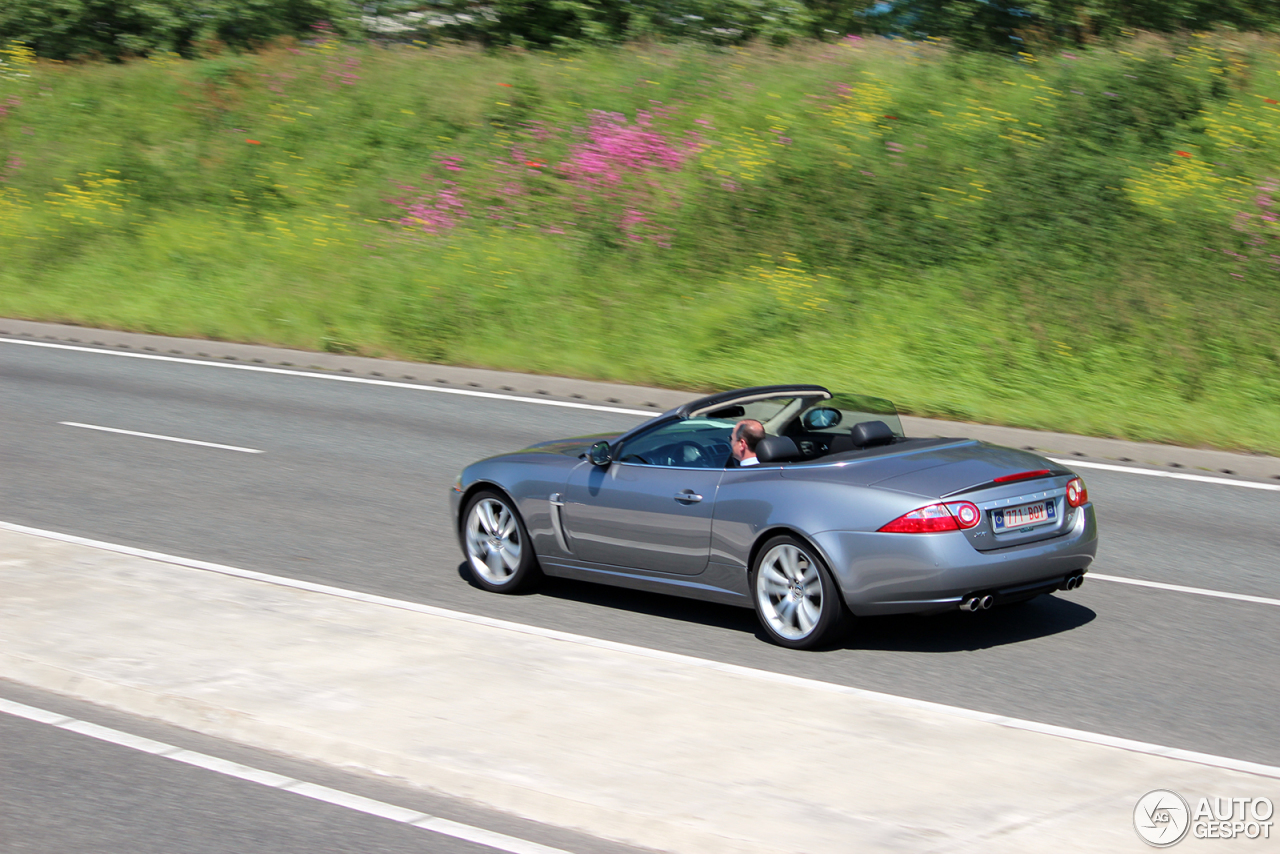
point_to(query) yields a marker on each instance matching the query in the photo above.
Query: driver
(747, 433)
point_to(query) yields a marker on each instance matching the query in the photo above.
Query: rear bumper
(921, 573)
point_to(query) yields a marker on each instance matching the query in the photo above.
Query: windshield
(860, 407)
(811, 413)
(835, 415)
(819, 422)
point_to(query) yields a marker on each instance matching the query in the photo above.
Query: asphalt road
(65, 792)
(351, 490)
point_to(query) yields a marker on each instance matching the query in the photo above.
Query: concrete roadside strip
(652, 750)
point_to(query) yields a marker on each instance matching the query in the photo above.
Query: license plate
(1024, 516)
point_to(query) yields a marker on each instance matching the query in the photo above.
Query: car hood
(570, 447)
(930, 473)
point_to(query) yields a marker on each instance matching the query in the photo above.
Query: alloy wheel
(789, 591)
(494, 544)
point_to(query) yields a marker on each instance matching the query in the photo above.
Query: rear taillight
(955, 516)
(966, 513)
(1077, 492)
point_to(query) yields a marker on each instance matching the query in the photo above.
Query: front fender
(529, 480)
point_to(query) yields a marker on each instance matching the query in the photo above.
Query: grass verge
(1082, 242)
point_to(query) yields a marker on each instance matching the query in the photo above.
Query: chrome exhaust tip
(1073, 581)
(987, 601)
(969, 604)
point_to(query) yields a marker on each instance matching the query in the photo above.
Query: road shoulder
(649, 750)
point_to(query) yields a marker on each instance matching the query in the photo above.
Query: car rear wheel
(795, 598)
(498, 551)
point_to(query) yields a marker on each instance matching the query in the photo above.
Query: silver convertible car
(843, 515)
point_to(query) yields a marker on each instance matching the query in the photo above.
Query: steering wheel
(682, 454)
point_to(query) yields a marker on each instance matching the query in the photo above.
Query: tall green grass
(1082, 241)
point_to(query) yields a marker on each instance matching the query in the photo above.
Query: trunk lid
(965, 470)
(930, 469)
(1014, 513)
(946, 471)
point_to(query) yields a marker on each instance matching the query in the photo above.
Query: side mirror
(600, 454)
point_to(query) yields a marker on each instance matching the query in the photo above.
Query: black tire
(796, 600)
(499, 554)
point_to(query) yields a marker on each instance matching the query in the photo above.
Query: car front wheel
(796, 600)
(498, 551)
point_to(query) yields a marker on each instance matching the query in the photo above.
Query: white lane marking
(708, 664)
(1174, 475)
(336, 797)
(561, 403)
(263, 369)
(162, 438)
(1178, 588)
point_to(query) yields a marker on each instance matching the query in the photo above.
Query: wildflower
(253, 142)
(1183, 154)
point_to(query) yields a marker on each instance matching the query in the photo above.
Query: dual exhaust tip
(984, 601)
(978, 603)
(1073, 581)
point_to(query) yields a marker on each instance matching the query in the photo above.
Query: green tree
(550, 23)
(1004, 24)
(115, 29)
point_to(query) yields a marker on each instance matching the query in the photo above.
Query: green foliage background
(1081, 240)
(115, 29)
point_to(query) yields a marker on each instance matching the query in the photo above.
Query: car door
(651, 509)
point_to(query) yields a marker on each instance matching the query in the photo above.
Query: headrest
(777, 449)
(868, 434)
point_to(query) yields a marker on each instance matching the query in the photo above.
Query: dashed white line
(709, 664)
(336, 797)
(565, 404)
(162, 438)
(1173, 475)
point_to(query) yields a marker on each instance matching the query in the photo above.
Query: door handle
(688, 495)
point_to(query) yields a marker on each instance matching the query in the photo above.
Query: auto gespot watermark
(1163, 817)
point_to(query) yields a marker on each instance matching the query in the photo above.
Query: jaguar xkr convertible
(843, 515)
